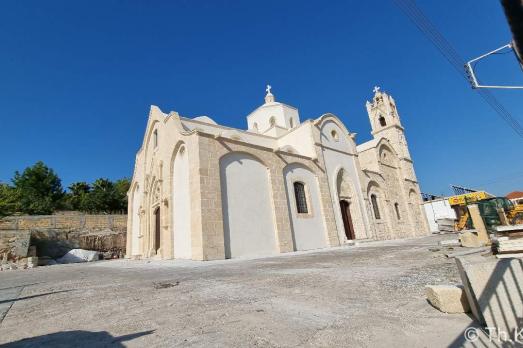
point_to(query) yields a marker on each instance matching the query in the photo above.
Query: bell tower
(385, 122)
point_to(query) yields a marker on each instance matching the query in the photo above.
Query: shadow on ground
(76, 339)
(32, 296)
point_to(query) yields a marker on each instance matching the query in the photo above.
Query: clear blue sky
(77, 78)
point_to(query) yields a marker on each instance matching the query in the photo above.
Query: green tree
(102, 198)
(39, 189)
(8, 200)
(76, 195)
(122, 186)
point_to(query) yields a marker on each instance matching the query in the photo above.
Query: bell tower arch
(386, 123)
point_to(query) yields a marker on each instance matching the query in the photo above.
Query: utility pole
(514, 12)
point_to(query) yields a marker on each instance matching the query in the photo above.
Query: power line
(429, 30)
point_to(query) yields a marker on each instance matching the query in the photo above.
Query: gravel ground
(370, 295)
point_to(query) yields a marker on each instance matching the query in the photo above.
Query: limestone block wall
(400, 227)
(54, 235)
(76, 221)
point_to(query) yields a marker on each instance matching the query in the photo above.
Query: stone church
(204, 191)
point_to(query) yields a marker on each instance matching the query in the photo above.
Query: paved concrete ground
(371, 295)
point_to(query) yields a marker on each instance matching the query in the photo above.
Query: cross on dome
(269, 98)
(376, 89)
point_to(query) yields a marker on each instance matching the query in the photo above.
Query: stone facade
(204, 191)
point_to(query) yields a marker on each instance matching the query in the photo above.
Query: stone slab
(450, 242)
(448, 298)
(467, 251)
(508, 228)
(469, 292)
(494, 288)
(479, 224)
(470, 239)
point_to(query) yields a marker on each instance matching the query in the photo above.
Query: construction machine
(495, 211)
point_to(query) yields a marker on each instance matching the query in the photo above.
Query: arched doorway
(347, 219)
(157, 230)
(350, 217)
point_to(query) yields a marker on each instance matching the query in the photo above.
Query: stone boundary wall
(65, 222)
(52, 236)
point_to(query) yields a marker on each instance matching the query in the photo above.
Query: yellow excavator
(494, 210)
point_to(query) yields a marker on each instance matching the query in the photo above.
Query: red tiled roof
(515, 194)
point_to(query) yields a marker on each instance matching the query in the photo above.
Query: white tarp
(79, 255)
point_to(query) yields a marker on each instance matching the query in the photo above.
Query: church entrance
(157, 230)
(347, 220)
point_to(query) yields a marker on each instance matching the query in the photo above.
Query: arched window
(272, 121)
(382, 121)
(397, 208)
(291, 122)
(255, 126)
(375, 208)
(301, 198)
(334, 135)
(155, 136)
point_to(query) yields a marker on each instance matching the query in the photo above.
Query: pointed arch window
(155, 138)
(397, 209)
(301, 198)
(375, 207)
(383, 123)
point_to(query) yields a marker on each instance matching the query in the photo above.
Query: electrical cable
(429, 30)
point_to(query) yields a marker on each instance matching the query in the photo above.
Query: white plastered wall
(248, 217)
(300, 138)
(181, 213)
(308, 230)
(281, 113)
(135, 232)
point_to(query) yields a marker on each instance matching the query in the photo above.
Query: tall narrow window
(272, 121)
(382, 121)
(155, 135)
(397, 208)
(374, 202)
(301, 198)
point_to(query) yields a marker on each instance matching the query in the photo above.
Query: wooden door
(347, 219)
